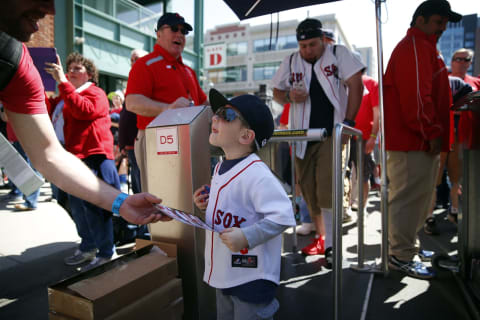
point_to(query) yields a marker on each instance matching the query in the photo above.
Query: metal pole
(294, 193)
(383, 158)
(361, 211)
(337, 225)
(337, 201)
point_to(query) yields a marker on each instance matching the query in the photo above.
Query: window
(229, 74)
(287, 42)
(265, 71)
(237, 48)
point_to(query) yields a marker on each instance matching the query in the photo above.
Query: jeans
(94, 225)
(134, 171)
(304, 214)
(31, 201)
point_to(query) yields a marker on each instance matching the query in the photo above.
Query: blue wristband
(117, 203)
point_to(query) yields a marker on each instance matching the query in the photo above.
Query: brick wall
(45, 36)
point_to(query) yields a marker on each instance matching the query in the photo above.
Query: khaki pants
(141, 157)
(411, 181)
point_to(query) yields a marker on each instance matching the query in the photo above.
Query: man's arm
(373, 136)
(35, 133)
(144, 106)
(289, 96)
(355, 95)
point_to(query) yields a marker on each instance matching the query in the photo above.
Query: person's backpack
(10, 54)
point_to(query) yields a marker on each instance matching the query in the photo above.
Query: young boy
(249, 206)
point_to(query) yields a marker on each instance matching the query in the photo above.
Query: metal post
(337, 200)
(361, 211)
(383, 158)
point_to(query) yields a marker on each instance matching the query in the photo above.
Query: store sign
(215, 56)
(167, 140)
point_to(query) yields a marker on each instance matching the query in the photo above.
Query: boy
(250, 208)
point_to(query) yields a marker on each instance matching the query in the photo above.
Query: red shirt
(469, 125)
(87, 121)
(285, 114)
(25, 92)
(417, 95)
(364, 119)
(161, 77)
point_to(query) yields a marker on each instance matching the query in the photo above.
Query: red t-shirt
(469, 126)
(364, 119)
(285, 114)
(161, 77)
(25, 92)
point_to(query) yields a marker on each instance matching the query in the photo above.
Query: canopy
(245, 9)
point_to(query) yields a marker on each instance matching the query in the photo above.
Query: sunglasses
(176, 29)
(228, 114)
(459, 59)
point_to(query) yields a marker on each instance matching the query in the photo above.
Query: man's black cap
(253, 110)
(309, 28)
(440, 7)
(172, 19)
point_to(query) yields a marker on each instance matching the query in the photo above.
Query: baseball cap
(309, 28)
(328, 33)
(172, 19)
(440, 7)
(253, 110)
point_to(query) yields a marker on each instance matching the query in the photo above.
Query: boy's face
(227, 128)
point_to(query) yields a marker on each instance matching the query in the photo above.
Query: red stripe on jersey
(215, 210)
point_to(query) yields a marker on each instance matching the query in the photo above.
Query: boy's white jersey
(240, 197)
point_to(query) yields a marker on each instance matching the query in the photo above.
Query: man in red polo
(160, 81)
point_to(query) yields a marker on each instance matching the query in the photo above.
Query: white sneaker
(305, 228)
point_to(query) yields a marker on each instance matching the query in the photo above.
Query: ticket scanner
(179, 162)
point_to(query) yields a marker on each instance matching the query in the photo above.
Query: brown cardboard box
(159, 302)
(102, 291)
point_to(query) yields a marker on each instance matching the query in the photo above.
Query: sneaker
(305, 229)
(413, 269)
(80, 257)
(314, 248)
(329, 258)
(23, 207)
(426, 255)
(97, 261)
(346, 218)
(11, 197)
(430, 227)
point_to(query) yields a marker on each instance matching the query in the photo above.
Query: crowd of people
(322, 84)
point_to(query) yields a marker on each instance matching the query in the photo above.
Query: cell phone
(40, 55)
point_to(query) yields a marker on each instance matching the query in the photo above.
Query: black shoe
(411, 268)
(329, 258)
(430, 226)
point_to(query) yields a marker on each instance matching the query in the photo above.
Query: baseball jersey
(240, 197)
(331, 70)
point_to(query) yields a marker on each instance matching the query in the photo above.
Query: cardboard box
(158, 302)
(102, 291)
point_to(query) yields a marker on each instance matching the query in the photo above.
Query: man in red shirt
(417, 101)
(367, 121)
(160, 81)
(22, 93)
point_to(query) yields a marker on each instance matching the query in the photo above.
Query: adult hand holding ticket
(185, 217)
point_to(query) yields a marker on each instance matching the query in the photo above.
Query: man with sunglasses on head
(323, 83)
(160, 81)
(417, 101)
(23, 96)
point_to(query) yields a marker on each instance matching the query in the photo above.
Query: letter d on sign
(215, 58)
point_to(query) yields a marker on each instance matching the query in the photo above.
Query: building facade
(463, 34)
(254, 53)
(106, 31)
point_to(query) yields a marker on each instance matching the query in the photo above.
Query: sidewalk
(32, 247)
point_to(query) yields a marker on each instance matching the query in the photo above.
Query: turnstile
(178, 162)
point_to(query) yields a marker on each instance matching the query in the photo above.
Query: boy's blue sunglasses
(228, 114)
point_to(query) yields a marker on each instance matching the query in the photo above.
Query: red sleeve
(140, 80)
(200, 94)
(414, 78)
(25, 93)
(90, 104)
(285, 114)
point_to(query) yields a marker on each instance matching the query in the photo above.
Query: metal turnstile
(178, 162)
